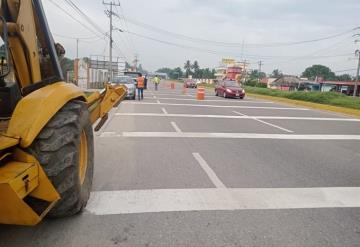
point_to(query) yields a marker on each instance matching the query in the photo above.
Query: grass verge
(329, 101)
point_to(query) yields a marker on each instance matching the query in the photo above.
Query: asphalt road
(173, 171)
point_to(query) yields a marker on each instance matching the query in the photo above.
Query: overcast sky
(258, 24)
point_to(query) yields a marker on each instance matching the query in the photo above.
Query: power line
(216, 52)
(123, 38)
(80, 38)
(98, 31)
(123, 18)
(236, 44)
(84, 16)
(345, 70)
(73, 18)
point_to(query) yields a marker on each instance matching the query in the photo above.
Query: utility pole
(260, 65)
(242, 49)
(77, 47)
(357, 53)
(244, 71)
(110, 15)
(136, 60)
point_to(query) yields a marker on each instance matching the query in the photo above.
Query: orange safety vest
(140, 82)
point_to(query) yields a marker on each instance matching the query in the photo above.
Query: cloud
(254, 21)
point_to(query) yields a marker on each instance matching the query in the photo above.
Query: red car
(229, 89)
(190, 83)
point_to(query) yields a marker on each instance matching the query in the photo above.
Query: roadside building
(93, 73)
(231, 69)
(345, 87)
(286, 83)
(268, 81)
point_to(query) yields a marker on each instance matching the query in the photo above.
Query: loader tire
(65, 150)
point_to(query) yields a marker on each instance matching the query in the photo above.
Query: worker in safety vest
(156, 82)
(140, 84)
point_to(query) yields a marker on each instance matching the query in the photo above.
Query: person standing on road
(156, 82)
(140, 84)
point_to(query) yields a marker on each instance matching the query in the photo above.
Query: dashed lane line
(164, 110)
(177, 129)
(267, 123)
(211, 174)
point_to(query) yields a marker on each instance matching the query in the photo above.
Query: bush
(327, 98)
(255, 83)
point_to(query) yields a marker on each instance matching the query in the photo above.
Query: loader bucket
(100, 103)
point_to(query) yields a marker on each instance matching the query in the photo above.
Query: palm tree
(187, 67)
(196, 68)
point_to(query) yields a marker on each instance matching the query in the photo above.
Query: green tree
(66, 65)
(344, 77)
(319, 71)
(141, 69)
(187, 67)
(207, 73)
(164, 70)
(196, 68)
(127, 66)
(276, 73)
(255, 74)
(213, 71)
(176, 73)
(172, 73)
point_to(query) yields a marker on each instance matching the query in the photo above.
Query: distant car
(129, 83)
(229, 89)
(190, 83)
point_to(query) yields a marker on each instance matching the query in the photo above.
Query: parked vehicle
(229, 89)
(129, 83)
(190, 83)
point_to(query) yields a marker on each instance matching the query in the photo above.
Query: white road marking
(238, 117)
(230, 136)
(154, 96)
(164, 110)
(274, 125)
(157, 102)
(239, 113)
(173, 94)
(177, 129)
(107, 134)
(214, 100)
(185, 200)
(219, 106)
(267, 123)
(211, 174)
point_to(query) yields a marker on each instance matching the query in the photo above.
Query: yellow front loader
(46, 125)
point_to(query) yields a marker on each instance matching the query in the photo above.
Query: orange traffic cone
(200, 93)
